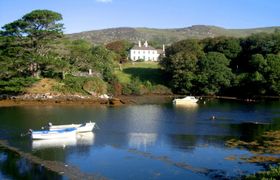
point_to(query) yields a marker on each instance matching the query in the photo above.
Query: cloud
(104, 1)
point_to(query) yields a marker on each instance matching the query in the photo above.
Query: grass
(145, 71)
(44, 85)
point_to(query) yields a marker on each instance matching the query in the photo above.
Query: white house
(145, 52)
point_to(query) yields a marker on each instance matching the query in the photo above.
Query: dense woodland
(34, 47)
(244, 67)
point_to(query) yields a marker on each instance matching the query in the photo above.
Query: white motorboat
(86, 127)
(186, 100)
(54, 134)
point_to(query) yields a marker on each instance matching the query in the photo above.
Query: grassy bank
(138, 78)
(145, 71)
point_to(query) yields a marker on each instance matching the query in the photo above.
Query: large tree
(180, 64)
(80, 54)
(121, 48)
(103, 61)
(273, 73)
(214, 73)
(34, 33)
(228, 46)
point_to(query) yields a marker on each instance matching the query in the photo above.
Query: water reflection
(142, 119)
(141, 140)
(190, 106)
(81, 139)
(50, 143)
(13, 166)
(86, 138)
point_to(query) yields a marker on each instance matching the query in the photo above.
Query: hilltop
(166, 36)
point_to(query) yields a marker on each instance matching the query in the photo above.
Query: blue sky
(83, 15)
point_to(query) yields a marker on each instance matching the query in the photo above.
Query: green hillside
(166, 36)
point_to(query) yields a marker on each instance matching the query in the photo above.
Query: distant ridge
(165, 36)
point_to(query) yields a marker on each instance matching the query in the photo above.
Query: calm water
(140, 141)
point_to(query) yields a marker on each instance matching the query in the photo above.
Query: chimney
(139, 43)
(146, 44)
(163, 48)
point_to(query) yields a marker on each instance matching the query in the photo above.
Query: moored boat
(86, 127)
(186, 100)
(54, 134)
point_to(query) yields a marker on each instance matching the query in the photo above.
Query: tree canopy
(34, 46)
(225, 65)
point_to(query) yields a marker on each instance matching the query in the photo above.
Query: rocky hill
(165, 36)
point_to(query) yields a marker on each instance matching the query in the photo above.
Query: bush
(160, 89)
(140, 60)
(116, 88)
(126, 90)
(95, 85)
(82, 85)
(16, 85)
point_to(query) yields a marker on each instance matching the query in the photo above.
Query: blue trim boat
(54, 134)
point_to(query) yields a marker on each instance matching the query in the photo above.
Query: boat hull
(54, 134)
(87, 127)
(186, 100)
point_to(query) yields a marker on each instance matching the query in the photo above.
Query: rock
(115, 101)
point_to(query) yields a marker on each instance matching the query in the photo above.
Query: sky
(85, 15)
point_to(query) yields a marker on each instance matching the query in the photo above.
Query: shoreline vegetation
(43, 99)
(84, 100)
(265, 150)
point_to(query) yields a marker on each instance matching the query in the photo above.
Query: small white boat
(54, 134)
(186, 100)
(87, 127)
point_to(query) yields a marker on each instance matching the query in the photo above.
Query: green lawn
(145, 71)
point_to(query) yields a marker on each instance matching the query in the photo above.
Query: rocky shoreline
(57, 99)
(47, 99)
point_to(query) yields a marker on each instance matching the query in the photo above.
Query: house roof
(136, 47)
